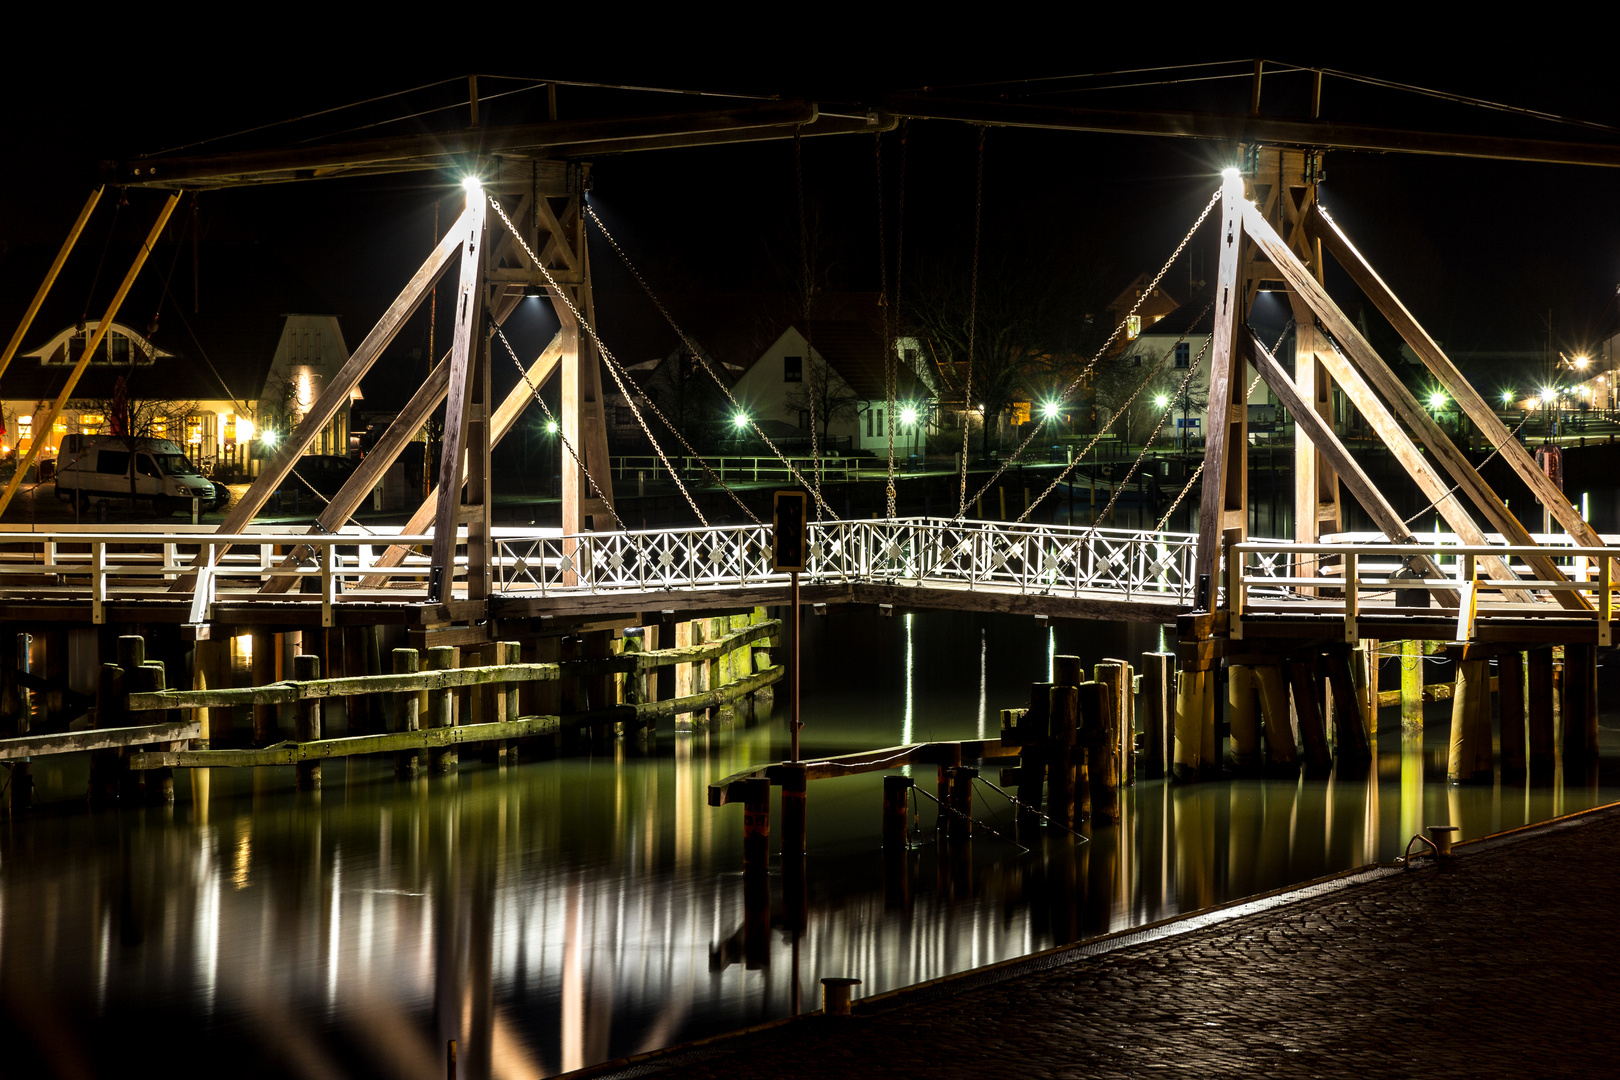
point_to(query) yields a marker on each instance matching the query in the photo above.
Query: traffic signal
(789, 539)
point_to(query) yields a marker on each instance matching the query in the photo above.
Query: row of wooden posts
(492, 695)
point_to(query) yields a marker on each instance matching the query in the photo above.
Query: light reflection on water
(572, 910)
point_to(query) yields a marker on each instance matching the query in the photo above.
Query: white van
(90, 468)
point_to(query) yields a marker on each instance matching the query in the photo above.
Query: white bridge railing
(1047, 559)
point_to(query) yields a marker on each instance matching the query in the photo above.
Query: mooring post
(1098, 717)
(1064, 712)
(1035, 743)
(897, 812)
(1579, 706)
(1194, 709)
(307, 721)
(149, 679)
(962, 777)
(951, 759)
(266, 651)
(407, 716)
(441, 708)
(795, 780)
(111, 711)
(1510, 707)
(756, 825)
(1115, 675)
(1540, 695)
(1158, 672)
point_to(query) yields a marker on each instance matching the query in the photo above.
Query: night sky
(1482, 251)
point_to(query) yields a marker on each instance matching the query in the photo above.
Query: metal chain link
(567, 445)
(703, 361)
(613, 364)
(889, 374)
(1163, 360)
(1074, 383)
(809, 332)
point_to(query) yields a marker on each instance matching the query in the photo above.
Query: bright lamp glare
(1161, 401)
(1437, 400)
(1548, 394)
(1230, 173)
(908, 415)
(740, 420)
(268, 438)
(1051, 410)
(1507, 397)
(1580, 361)
(472, 185)
(551, 427)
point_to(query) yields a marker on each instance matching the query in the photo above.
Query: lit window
(1133, 327)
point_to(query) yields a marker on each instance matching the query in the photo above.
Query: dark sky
(1481, 250)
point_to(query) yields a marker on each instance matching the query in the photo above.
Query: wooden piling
(441, 712)
(1281, 750)
(1098, 718)
(1351, 747)
(1244, 710)
(307, 722)
(266, 654)
(1064, 713)
(110, 711)
(1158, 673)
(1579, 706)
(756, 826)
(1312, 732)
(1034, 736)
(953, 758)
(1539, 695)
(1115, 675)
(795, 781)
(1469, 758)
(1195, 709)
(961, 802)
(149, 678)
(1510, 711)
(1411, 687)
(407, 715)
(897, 812)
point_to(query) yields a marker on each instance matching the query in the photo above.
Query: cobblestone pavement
(1501, 965)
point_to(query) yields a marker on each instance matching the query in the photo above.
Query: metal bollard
(1440, 835)
(835, 995)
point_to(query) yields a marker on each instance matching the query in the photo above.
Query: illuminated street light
(1437, 400)
(472, 184)
(1507, 397)
(551, 427)
(1161, 401)
(740, 421)
(1548, 395)
(1051, 410)
(1581, 361)
(908, 415)
(269, 439)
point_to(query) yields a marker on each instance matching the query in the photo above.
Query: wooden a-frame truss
(1276, 239)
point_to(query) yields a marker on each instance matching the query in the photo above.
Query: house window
(879, 422)
(91, 423)
(1183, 354)
(792, 369)
(1133, 327)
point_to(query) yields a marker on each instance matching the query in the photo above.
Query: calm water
(567, 911)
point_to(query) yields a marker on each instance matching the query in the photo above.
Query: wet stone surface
(1501, 965)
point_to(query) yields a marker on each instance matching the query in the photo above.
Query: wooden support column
(1195, 711)
(1223, 512)
(1312, 731)
(1351, 748)
(1411, 687)
(307, 723)
(441, 711)
(1243, 708)
(1510, 710)
(1158, 681)
(1469, 759)
(1579, 707)
(407, 716)
(1281, 750)
(1064, 713)
(1098, 711)
(1540, 701)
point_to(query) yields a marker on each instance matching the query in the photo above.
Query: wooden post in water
(1064, 713)
(1244, 706)
(1351, 749)
(795, 787)
(1195, 709)
(756, 826)
(962, 777)
(1281, 750)
(407, 715)
(896, 812)
(149, 679)
(266, 653)
(1510, 709)
(1115, 675)
(1411, 687)
(1158, 673)
(441, 712)
(1312, 732)
(307, 722)
(1579, 706)
(211, 670)
(1540, 701)
(1035, 746)
(1101, 724)
(953, 758)
(1469, 758)
(111, 711)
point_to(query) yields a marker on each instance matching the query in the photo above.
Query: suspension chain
(1163, 360)
(613, 364)
(818, 398)
(973, 318)
(883, 313)
(567, 445)
(704, 362)
(1068, 391)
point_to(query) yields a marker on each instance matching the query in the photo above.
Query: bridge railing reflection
(1027, 558)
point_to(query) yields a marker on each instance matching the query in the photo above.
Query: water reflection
(561, 912)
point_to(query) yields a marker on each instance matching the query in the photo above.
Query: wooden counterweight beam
(1462, 391)
(1368, 364)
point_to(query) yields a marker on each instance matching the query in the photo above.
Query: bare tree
(686, 394)
(825, 396)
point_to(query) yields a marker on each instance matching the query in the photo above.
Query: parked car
(92, 468)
